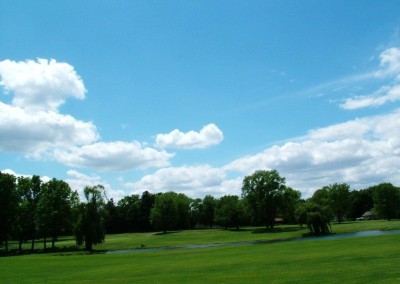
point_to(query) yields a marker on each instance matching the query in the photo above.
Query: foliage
(228, 211)
(54, 210)
(339, 196)
(263, 190)
(90, 226)
(9, 200)
(208, 211)
(387, 200)
(164, 214)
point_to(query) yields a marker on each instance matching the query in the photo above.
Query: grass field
(357, 260)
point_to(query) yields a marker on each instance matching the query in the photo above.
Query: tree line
(31, 209)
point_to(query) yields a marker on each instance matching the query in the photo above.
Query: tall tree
(339, 199)
(208, 211)
(290, 201)
(54, 210)
(387, 200)
(360, 202)
(228, 211)
(28, 189)
(146, 203)
(90, 227)
(164, 214)
(129, 210)
(8, 206)
(263, 191)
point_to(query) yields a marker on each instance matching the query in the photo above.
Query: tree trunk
(33, 243)
(53, 240)
(88, 246)
(20, 246)
(44, 243)
(6, 245)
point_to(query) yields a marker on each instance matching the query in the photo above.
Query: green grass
(357, 260)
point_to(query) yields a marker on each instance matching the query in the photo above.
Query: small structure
(368, 215)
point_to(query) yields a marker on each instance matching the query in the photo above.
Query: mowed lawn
(356, 260)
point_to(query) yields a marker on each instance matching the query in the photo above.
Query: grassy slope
(358, 260)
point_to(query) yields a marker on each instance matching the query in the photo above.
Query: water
(299, 239)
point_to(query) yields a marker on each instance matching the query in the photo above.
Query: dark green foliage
(54, 210)
(129, 210)
(290, 200)
(90, 225)
(339, 199)
(263, 191)
(387, 200)
(228, 211)
(164, 214)
(316, 216)
(360, 202)
(9, 200)
(208, 211)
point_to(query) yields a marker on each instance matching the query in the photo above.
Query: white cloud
(360, 152)
(43, 85)
(113, 156)
(389, 63)
(389, 67)
(78, 181)
(194, 181)
(37, 132)
(208, 135)
(11, 172)
(383, 95)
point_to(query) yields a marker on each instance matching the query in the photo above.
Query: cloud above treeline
(361, 152)
(209, 135)
(32, 124)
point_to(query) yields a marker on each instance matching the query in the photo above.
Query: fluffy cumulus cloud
(32, 124)
(113, 156)
(42, 84)
(78, 181)
(11, 172)
(34, 134)
(209, 135)
(194, 181)
(360, 152)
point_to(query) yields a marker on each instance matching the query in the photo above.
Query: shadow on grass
(166, 233)
(276, 230)
(57, 251)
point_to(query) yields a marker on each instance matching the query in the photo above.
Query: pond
(297, 239)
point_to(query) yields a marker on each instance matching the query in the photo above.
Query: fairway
(356, 260)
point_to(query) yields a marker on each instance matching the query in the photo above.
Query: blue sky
(191, 96)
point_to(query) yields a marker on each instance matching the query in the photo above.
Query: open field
(357, 260)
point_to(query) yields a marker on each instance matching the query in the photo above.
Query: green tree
(8, 206)
(129, 210)
(228, 211)
(146, 203)
(183, 211)
(339, 199)
(387, 200)
(208, 211)
(90, 226)
(54, 210)
(263, 191)
(195, 212)
(360, 202)
(316, 216)
(290, 200)
(28, 189)
(164, 214)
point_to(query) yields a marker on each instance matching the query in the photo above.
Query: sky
(191, 96)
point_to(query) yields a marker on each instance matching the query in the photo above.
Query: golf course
(247, 255)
